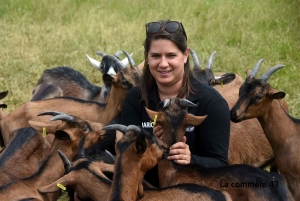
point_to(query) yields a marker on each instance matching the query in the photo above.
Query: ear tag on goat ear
(61, 186)
(222, 84)
(44, 132)
(155, 118)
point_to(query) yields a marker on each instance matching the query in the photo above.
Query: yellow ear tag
(222, 84)
(155, 118)
(44, 132)
(61, 186)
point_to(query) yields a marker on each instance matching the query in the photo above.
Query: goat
(80, 174)
(248, 144)
(66, 140)
(228, 178)
(109, 66)
(29, 146)
(142, 151)
(258, 99)
(88, 110)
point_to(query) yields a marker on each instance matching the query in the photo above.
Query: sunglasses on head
(170, 26)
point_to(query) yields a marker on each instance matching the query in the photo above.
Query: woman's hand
(158, 131)
(180, 152)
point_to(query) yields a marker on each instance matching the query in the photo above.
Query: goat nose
(233, 116)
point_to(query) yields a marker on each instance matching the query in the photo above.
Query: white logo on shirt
(190, 128)
(147, 124)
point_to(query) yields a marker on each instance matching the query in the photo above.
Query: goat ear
(152, 114)
(274, 94)
(140, 144)
(51, 127)
(194, 120)
(51, 188)
(225, 79)
(62, 135)
(248, 72)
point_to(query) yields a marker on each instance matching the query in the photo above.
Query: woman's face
(166, 62)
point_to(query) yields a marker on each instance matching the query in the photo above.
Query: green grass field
(38, 34)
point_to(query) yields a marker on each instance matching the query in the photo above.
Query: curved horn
(81, 153)
(118, 127)
(130, 60)
(118, 53)
(63, 117)
(166, 102)
(51, 112)
(66, 161)
(272, 70)
(112, 156)
(186, 103)
(256, 68)
(118, 62)
(125, 60)
(94, 62)
(102, 54)
(195, 58)
(134, 128)
(210, 60)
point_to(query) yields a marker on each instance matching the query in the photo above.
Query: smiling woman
(167, 74)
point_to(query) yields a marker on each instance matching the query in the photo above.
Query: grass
(36, 35)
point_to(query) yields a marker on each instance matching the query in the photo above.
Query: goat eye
(125, 83)
(85, 129)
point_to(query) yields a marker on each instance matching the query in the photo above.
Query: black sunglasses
(170, 26)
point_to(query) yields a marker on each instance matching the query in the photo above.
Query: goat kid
(142, 151)
(258, 99)
(51, 167)
(227, 178)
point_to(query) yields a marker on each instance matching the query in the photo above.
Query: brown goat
(92, 111)
(85, 176)
(248, 143)
(257, 99)
(228, 178)
(29, 146)
(142, 151)
(51, 168)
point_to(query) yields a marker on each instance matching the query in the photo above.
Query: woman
(167, 74)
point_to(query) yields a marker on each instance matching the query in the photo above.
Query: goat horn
(125, 60)
(210, 60)
(94, 62)
(63, 117)
(133, 128)
(272, 70)
(102, 54)
(112, 156)
(66, 161)
(166, 102)
(186, 103)
(118, 62)
(118, 53)
(118, 127)
(130, 60)
(195, 58)
(81, 153)
(50, 112)
(256, 68)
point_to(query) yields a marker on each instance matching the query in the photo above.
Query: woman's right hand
(158, 131)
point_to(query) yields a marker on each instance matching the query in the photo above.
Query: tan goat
(230, 178)
(248, 143)
(259, 100)
(51, 168)
(92, 111)
(142, 151)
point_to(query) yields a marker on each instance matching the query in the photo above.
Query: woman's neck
(169, 91)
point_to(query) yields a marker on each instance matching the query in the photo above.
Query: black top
(208, 142)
